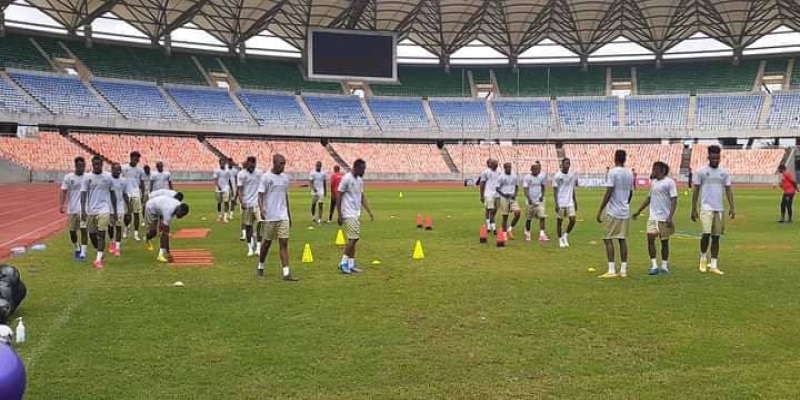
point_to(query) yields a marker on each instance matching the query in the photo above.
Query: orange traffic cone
(483, 234)
(428, 223)
(501, 238)
(419, 221)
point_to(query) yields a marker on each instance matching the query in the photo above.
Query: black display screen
(348, 54)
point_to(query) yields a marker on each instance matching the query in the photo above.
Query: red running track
(28, 215)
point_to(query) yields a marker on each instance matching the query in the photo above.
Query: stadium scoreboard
(339, 54)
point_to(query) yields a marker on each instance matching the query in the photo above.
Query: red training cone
(429, 223)
(419, 221)
(501, 238)
(483, 234)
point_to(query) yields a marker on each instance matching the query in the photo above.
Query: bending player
(317, 180)
(115, 227)
(663, 200)
(273, 196)
(160, 212)
(488, 192)
(161, 179)
(508, 185)
(789, 187)
(222, 189)
(134, 177)
(336, 178)
(249, 180)
(351, 199)
(167, 192)
(534, 186)
(71, 188)
(617, 206)
(564, 184)
(709, 184)
(98, 206)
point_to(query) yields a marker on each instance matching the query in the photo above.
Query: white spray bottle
(20, 336)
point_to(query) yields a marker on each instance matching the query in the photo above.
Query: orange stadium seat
(595, 158)
(300, 155)
(471, 158)
(178, 153)
(741, 161)
(48, 151)
(395, 157)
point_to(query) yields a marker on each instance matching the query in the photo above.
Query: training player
(709, 184)
(488, 192)
(273, 196)
(71, 188)
(789, 187)
(167, 192)
(222, 189)
(507, 188)
(234, 171)
(534, 187)
(249, 180)
(161, 179)
(336, 178)
(317, 180)
(160, 211)
(617, 206)
(98, 206)
(564, 184)
(115, 227)
(134, 177)
(351, 199)
(663, 200)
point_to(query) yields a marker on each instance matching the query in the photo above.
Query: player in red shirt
(789, 187)
(335, 179)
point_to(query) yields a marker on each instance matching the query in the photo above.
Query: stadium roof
(444, 26)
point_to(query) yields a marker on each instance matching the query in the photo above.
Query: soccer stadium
(213, 199)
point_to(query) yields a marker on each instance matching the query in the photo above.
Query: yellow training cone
(419, 254)
(307, 256)
(340, 238)
(376, 262)
(400, 195)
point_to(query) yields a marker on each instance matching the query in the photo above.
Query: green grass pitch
(468, 321)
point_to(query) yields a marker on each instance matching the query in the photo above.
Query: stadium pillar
(514, 63)
(168, 44)
(659, 59)
(737, 55)
(446, 63)
(584, 62)
(87, 35)
(242, 51)
(2, 22)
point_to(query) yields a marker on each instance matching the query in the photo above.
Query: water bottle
(39, 247)
(20, 336)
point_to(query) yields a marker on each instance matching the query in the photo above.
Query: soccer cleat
(111, 247)
(561, 243)
(623, 274)
(149, 245)
(290, 278)
(225, 219)
(703, 266)
(609, 275)
(344, 268)
(136, 236)
(510, 235)
(125, 233)
(653, 271)
(116, 252)
(544, 238)
(77, 254)
(356, 270)
(716, 271)
(251, 252)
(260, 273)
(98, 264)
(527, 236)
(566, 242)
(664, 271)
(161, 258)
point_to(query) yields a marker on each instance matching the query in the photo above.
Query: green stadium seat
(18, 52)
(426, 82)
(706, 77)
(795, 81)
(51, 47)
(210, 63)
(256, 73)
(776, 66)
(553, 81)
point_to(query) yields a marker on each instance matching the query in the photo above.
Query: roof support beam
(350, 16)
(182, 19)
(262, 22)
(96, 13)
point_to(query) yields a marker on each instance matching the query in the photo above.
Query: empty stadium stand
(300, 155)
(705, 77)
(657, 111)
(522, 115)
(18, 52)
(728, 111)
(179, 153)
(418, 81)
(12, 100)
(471, 158)
(551, 81)
(256, 73)
(208, 105)
(582, 113)
(62, 94)
(456, 115)
(136, 100)
(395, 158)
(273, 109)
(741, 161)
(337, 111)
(596, 158)
(784, 111)
(398, 114)
(52, 47)
(47, 152)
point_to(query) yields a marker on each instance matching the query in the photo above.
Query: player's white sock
(612, 269)
(244, 234)
(351, 263)
(344, 260)
(541, 232)
(713, 263)
(162, 252)
(84, 247)
(136, 235)
(286, 271)
(488, 224)
(261, 266)
(99, 256)
(119, 246)
(623, 268)
(653, 263)
(511, 228)
(703, 256)
(258, 248)
(665, 265)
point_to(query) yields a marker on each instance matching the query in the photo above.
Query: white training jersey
(148, 182)
(489, 177)
(661, 194)
(133, 175)
(249, 183)
(98, 193)
(275, 189)
(162, 206)
(566, 188)
(222, 180)
(163, 192)
(317, 180)
(234, 172)
(620, 180)
(160, 180)
(507, 183)
(72, 184)
(350, 190)
(119, 186)
(533, 185)
(712, 182)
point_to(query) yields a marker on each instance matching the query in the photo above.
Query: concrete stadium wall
(13, 173)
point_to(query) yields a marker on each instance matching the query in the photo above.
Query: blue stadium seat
(136, 100)
(522, 115)
(274, 109)
(11, 100)
(588, 113)
(784, 111)
(399, 114)
(657, 112)
(63, 94)
(213, 106)
(460, 115)
(337, 111)
(728, 111)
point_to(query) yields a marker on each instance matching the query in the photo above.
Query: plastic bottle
(39, 247)
(20, 336)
